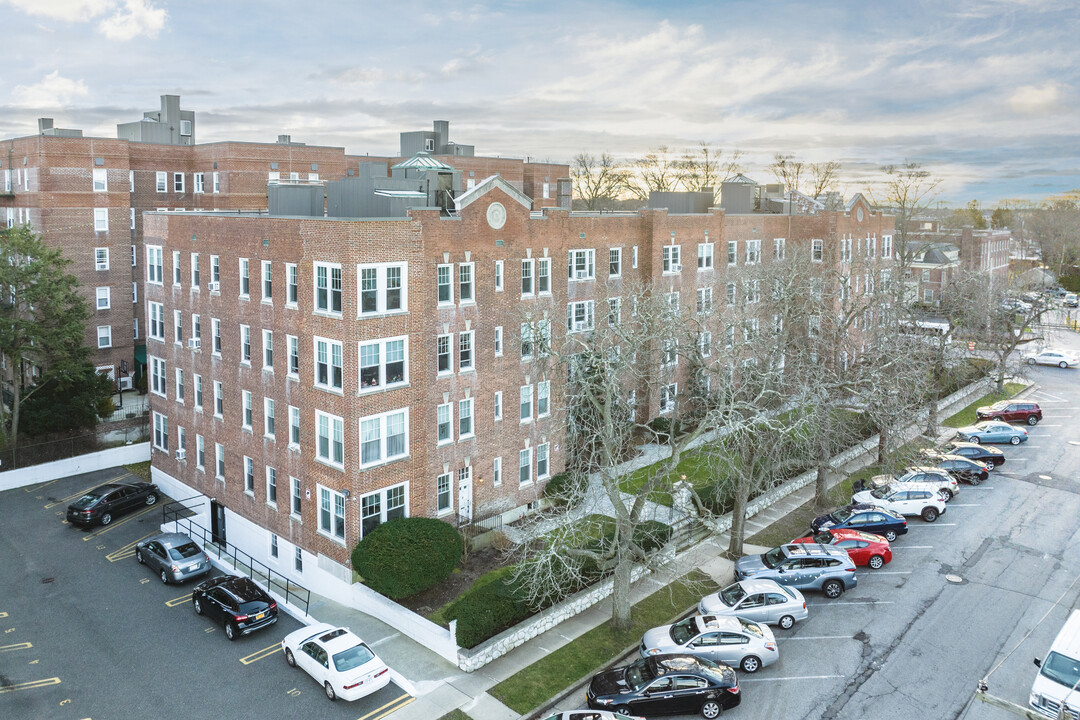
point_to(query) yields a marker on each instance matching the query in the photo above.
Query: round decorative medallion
(496, 215)
(858, 214)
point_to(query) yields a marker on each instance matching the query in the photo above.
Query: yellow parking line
(395, 701)
(117, 557)
(3, 614)
(178, 600)
(128, 550)
(38, 487)
(260, 654)
(30, 685)
(16, 646)
(112, 525)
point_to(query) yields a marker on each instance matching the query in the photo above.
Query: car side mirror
(1038, 663)
(780, 570)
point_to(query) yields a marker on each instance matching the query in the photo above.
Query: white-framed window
(543, 398)
(104, 336)
(528, 265)
(752, 328)
(157, 376)
(292, 285)
(292, 343)
(195, 271)
(196, 328)
(249, 475)
(732, 293)
(500, 269)
(543, 276)
(295, 497)
(328, 374)
(245, 396)
(384, 437)
(614, 316)
(219, 462)
(753, 252)
(614, 262)
(161, 181)
(268, 350)
(581, 265)
(178, 327)
(444, 284)
(525, 466)
(200, 181)
(672, 259)
(245, 344)
(131, 181)
(267, 282)
(498, 341)
(185, 127)
(886, 246)
(496, 472)
(465, 418)
(101, 180)
(779, 248)
(579, 316)
(384, 363)
(669, 353)
(101, 258)
(217, 183)
(817, 250)
(215, 272)
(215, 336)
(498, 402)
(330, 439)
(813, 326)
(155, 273)
(705, 343)
(178, 182)
(179, 385)
(525, 397)
(294, 427)
(331, 514)
(633, 254)
(465, 283)
(269, 416)
(732, 252)
(328, 288)
(527, 342)
(444, 420)
(103, 298)
(543, 468)
(753, 291)
(383, 288)
(156, 313)
(668, 394)
(298, 559)
(465, 350)
(705, 256)
(135, 326)
(101, 219)
(200, 453)
(219, 400)
(161, 432)
(198, 383)
(274, 550)
(134, 292)
(176, 268)
(382, 506)
(444, 362)
(777, 323)
(131, 218)
(273, 177)
(444, 491)
(704, 300)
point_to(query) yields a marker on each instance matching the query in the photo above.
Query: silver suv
(805, 566)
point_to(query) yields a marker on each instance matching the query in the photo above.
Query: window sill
(272, 438)
(335, 538)
(271, 505)
(250, 493)
(328, 389)
(385, 313)
(296, 518)
(375, 390)
(444, 443)
(293, 376)
(466, 371)
(470, 436)
(295, 447)
(444, 373)
(220, 478)
(326, 314)
(329, 464)
(444, 513)
(388, 461)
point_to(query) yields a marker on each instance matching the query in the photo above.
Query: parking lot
(87, 632)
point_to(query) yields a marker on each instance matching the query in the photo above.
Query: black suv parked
(237, 603)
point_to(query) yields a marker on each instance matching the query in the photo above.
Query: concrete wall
(113, 457)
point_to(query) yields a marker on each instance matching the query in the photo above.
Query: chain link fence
(26, 453)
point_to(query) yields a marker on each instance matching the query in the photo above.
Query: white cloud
(52, 91)
(1032, 99)
(119, 19)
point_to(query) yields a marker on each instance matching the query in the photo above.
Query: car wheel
(139, 557)
(1014, 440)
(164, 577)
(974, 439)
(623, 710)
(876, 562)
(947, 494)
(711, 709)
(1031, 361)
(1033, 420)
(230, 630)
(890, 535)
(289, 658)
(106, 519)
(197, 605)
(1063, 364)
(833, 589)
(750, 664)
(929, 514)
(787, 622)
(975, 480)
(151, 499)
(329, 691)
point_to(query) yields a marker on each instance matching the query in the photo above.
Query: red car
(864, 548)
(1011, 411)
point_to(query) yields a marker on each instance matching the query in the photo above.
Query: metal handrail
(274, 581)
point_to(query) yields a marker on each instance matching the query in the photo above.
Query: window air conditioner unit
(215, 287)
(676, 267)
(181, 454)
(580, 325)
(194, 343)
(580, 274)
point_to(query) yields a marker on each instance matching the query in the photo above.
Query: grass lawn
(552, 674)
(455, 715)
(694, 465)
(967, 415)
(140, 470)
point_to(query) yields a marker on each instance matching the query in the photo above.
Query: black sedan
(666, 685)
(860, 516)
(241, 606)
(961, 468)
(102, 504)
(976, 451)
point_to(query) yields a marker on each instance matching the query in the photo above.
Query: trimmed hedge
(490, 606)
(405, 556)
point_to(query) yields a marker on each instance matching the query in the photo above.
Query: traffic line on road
(1048, 425)
(260, 654)
(965, 504)
(29, 685)
(936, 524)
(128, 550)
(789, 677)
(820, 637)
(16, 646)
(395, 704)
(851, 602)
(178, 601)
(913, 547)
(892, 572)
(115, 523)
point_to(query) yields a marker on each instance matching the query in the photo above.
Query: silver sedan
(763, 601)
(173, 556)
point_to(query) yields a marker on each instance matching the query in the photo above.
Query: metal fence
(26, 454)
(180, 512)
(138, 406)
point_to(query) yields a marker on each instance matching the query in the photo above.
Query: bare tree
(707, 167)
(1056, 226)
(598, 180)
(789, 170)
(823, 177)
(658, 170)
(908, 190)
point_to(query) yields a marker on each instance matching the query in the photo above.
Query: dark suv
(806, 566)
(237, 603)
(1011, 411)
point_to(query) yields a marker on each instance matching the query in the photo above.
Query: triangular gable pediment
(485, 186)
(855, 200)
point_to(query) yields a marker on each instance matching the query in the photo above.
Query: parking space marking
(34, 488)
(396, 703)
(821, 637)
(3, 614)
(789, 677)
(178, 600)
(16, 646)
(260, 654)
(30, 685)
(128, 550)
(965, 504)
(69, 498)
(116, 523)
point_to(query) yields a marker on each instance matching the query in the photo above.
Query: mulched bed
(478, 563)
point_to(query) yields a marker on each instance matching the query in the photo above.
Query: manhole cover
(46, 581)
(954, 578)
(1045, 477)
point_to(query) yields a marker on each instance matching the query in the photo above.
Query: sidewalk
(440, 687)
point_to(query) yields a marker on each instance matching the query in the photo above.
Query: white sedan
(338, 660)
(1052, 357)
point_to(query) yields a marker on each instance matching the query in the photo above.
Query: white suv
(922, 499)
(944, 482)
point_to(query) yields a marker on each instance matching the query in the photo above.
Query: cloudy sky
(984, 93)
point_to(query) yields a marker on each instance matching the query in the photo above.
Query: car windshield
(685, 631)
(750, 627)
(732, 594)
(1061, 669)
(773, 558)
(638, 675)
(841, 514)
(354, 657)
(881, 492)
(188, 549)
(87, 500)
(823, 538)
